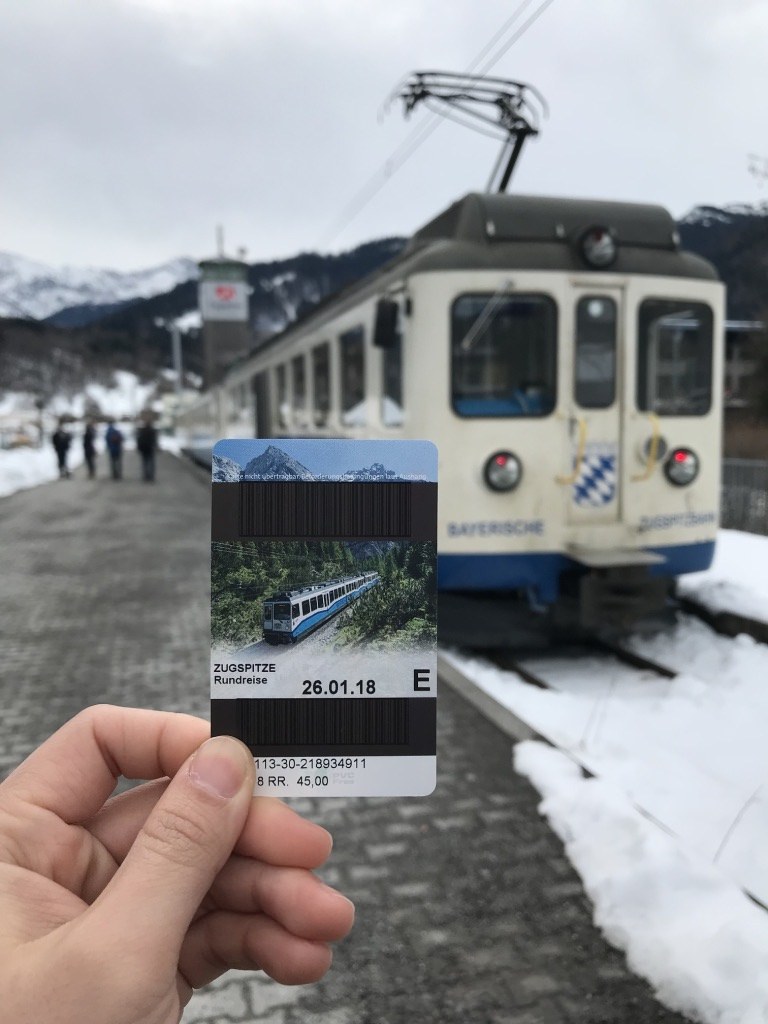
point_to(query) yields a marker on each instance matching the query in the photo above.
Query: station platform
(468, 911)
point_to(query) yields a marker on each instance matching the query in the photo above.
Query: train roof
(314, 588)
(545, 233)
(487, 231)
(492, 218)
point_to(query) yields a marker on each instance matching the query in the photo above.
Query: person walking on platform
(146, 442)
(89, 448)
(61, 442)
(114, 439)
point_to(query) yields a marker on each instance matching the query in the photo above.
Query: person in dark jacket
(89, 448)
(146, 442)
(114, 439)
(61, 442)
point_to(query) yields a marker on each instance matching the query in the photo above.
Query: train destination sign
(324, 613)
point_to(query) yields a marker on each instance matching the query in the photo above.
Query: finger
(273, 832)
(278, 835)
(74, 771)
(294, 898)
(224, 941)
(183, 844)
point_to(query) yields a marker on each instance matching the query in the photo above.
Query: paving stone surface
(468, 911)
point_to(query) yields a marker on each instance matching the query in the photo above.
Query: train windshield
(674, 351)
(504, 355)
(282, 611)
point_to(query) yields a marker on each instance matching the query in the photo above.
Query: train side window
(283, 404)
(674, 357)
(305, 607)
(352, 353)
(299, 381)
(595, 345)
(294, 611)
(313, 604)
(321, 383)
(392, 380)
(504, 355)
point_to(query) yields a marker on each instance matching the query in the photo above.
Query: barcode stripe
(364, 721)
(300, 508)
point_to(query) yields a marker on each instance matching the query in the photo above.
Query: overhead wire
(406, 149)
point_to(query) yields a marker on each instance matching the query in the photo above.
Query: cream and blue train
(293, 614)
(566, 358)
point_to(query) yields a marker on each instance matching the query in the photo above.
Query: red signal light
(681, 456)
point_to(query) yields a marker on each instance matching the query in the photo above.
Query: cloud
(132, 127)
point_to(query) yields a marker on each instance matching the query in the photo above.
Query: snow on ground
(737, 581)
(701, 943)
(675, 825)
(26, 466)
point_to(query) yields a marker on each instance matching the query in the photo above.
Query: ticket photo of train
(298, 611)
(381, 594)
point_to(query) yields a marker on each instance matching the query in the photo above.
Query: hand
(112, 912)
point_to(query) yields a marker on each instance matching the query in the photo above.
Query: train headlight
(682, 467)
(502, 471)
(598, 247)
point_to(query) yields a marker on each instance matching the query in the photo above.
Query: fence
(744, 497)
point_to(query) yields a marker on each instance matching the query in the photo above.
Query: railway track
(540, 670)
(593, 672)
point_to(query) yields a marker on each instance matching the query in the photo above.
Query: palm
(112, 910)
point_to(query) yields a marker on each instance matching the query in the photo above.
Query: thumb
(181, 847)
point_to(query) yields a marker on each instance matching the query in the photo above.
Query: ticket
(324, 613)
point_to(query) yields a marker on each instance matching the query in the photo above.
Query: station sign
(222, 299)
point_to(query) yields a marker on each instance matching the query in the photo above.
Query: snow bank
(21, 468)
(698, 940)
(738, 578)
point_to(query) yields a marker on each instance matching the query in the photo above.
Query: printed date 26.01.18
(337, 687)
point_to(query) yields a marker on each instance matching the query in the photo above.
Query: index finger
(74, 772)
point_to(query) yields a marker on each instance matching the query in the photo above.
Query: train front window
(504, 352)
(267, 614)
(282, 612)
(595, 345)
(674, 353)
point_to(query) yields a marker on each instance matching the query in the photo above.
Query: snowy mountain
(225, 471)
(374, 472)
(735, 239)
(32, 290)
(275, 464)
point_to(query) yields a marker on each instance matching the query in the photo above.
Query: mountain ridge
(69, 296)
(34, 290)
(131, 332)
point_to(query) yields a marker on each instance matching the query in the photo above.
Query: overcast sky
(131, 128)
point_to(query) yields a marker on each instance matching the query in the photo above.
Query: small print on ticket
(324, 613)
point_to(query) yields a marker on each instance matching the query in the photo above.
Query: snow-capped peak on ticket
(324, 613)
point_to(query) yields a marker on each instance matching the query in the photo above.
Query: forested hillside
(399, 613)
